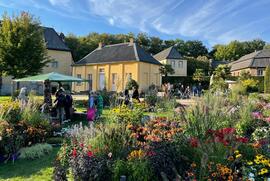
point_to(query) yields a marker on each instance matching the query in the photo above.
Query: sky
(211, 21)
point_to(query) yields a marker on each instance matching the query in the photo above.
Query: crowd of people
(181, 91)
(63, 104)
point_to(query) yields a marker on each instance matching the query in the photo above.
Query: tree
(222, 71)
(194, 49)
(236, 49)
(199, 75)
(267, 80)
(132, 84)
(166, 69)
(22, 46)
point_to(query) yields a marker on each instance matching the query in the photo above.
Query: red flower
(81, 145)
(90, 153)
(242, 139)
(151, 153)
(227, 130)
(74, 152)
(194, 142)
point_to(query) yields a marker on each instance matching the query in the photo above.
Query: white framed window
(259, 72)
(173, 63)
(79, 76)
(180, 64)
(54, 64)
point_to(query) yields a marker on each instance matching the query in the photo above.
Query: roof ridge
(117, 44)
(136, 51)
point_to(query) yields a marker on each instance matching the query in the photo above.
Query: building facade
(112, 66)
(171, 56)
(254, 63)
(59, 54)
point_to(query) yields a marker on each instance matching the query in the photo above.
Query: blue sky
(212, 21)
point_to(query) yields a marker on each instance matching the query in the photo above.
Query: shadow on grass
(39, 169)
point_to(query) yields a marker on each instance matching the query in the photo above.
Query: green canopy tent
(52, 77)
(47, 79)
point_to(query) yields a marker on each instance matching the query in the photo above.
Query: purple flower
(257, 115)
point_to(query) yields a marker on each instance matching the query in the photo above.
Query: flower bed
(217, 139)
(21, 127)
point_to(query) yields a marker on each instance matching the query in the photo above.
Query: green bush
(132, 84)
(35, 151)
(267, 80)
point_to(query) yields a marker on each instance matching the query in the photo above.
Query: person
(199, 89)
(68, 105)
(126, 94)
(187, 92)
(91, 111)
(99, 105)
(60, 104)
(135, 94)
(22, 97)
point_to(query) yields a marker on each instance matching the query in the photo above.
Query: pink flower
(267, 119)
(257, 115)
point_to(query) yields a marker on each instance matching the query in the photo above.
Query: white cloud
(64, 3)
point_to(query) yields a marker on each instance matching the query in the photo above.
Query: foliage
(267, 80)
(124, 114)
(21, 126)
(198, 75)
(235, 49)
(35, 151)
(132, 84)
(166, 70)
(21, 40)
(193, 64)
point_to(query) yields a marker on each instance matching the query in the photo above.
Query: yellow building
(254, 63)
(172, 57)
(57, 51)
(112, 66)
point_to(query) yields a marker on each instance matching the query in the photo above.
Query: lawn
(39, 169)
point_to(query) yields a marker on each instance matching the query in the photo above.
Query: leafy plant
(36, 151)
(132, 84)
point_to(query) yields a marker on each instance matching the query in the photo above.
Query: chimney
(100, 45)
(131, 41)
(62, 36)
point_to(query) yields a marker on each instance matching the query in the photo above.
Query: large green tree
(236, 49)
(22, 46)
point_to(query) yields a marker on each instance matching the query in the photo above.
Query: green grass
(29, 170)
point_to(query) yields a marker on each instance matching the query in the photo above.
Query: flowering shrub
(20, 127)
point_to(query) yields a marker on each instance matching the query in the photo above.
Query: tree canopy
(22, 46)
(236, 49)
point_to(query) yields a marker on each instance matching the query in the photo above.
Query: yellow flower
(257, 161)
(263, 171)
(250, 163)
(236, 152)
(259, 156)
(238, 155)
